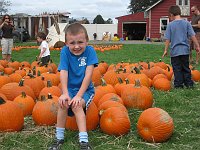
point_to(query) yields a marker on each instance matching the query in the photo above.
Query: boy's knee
(77, 109)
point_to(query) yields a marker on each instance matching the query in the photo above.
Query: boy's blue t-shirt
(178, 33)
(76, 65)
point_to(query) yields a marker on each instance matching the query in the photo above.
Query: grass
(181, 104)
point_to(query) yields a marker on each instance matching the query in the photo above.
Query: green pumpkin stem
(23, 95)
(137, 70)
(49, 84)
(137, 83)
(21, 83)
(103, 82)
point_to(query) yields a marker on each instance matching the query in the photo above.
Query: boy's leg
(177, 69)
(81, 119)
(186, 71)
(60, 128)
(81, 123)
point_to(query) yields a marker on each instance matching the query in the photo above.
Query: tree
(86, 21)
(140, 5)
(98, 20)
(109, 21)
(4, 6)
(72, 20)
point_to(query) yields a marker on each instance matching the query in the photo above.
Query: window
(186, 2)
(163, 24)
(182, 2)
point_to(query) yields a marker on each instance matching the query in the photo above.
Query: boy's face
(76, 43)
(39, 39)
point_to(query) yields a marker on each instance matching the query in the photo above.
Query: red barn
(153, 21)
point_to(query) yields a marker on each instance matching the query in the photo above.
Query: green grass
(181, 104)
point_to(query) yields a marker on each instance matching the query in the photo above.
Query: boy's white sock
(60, 133)
(83, 137)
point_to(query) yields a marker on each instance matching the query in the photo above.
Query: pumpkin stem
(120, 80)
(127, 81)
(23, 95)
(149, 66)
(2, 101)
(21, 83)
(137, 83)
(168, 68)
(50, 96)
(103, 82)
(101, 112)
(38, 73)
(137, 70)
(49, 84)
(43, 98)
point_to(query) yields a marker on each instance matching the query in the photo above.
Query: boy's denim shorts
(87, 96)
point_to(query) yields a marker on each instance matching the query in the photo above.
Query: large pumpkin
(26, 103)
(155, 125)
(11, 116)
(137, 96)
(115, 121)
(45, 111)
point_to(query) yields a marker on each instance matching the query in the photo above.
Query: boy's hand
(198, 50)
(76, 101)
(63, 100)
(164, 54)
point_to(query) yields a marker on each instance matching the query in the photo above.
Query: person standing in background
(44, 48)
(176, 36)
(7, 28)
(196, 26)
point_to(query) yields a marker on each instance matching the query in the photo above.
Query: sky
(85, 8)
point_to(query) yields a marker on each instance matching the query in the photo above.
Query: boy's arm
(64, 81)
(194, 39)
(167, 42)
(42, 52)
(64, 98)
(86, 80)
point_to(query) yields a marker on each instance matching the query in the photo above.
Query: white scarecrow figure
(56, 35)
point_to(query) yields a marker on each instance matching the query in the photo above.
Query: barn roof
(153, 5)
(136, 16)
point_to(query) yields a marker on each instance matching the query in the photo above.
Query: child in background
(177, 36)
(44, 48)
(77, 62)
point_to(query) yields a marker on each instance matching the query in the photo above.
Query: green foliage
(4, 6)
(140, 5)
(109, 21)
(98, 20)
(181, 104)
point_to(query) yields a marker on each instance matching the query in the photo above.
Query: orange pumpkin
(11, 116)
(137, 96)
(155, 125)
(115, 121)
(45, 111)
(26, 103)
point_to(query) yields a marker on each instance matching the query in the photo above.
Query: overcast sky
(78, 8)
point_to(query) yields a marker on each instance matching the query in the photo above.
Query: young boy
(178, 33)
(44, 48)
(77, 62)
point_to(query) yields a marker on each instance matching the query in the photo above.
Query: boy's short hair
(76, 28)
(41, 35)
(175, 10)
